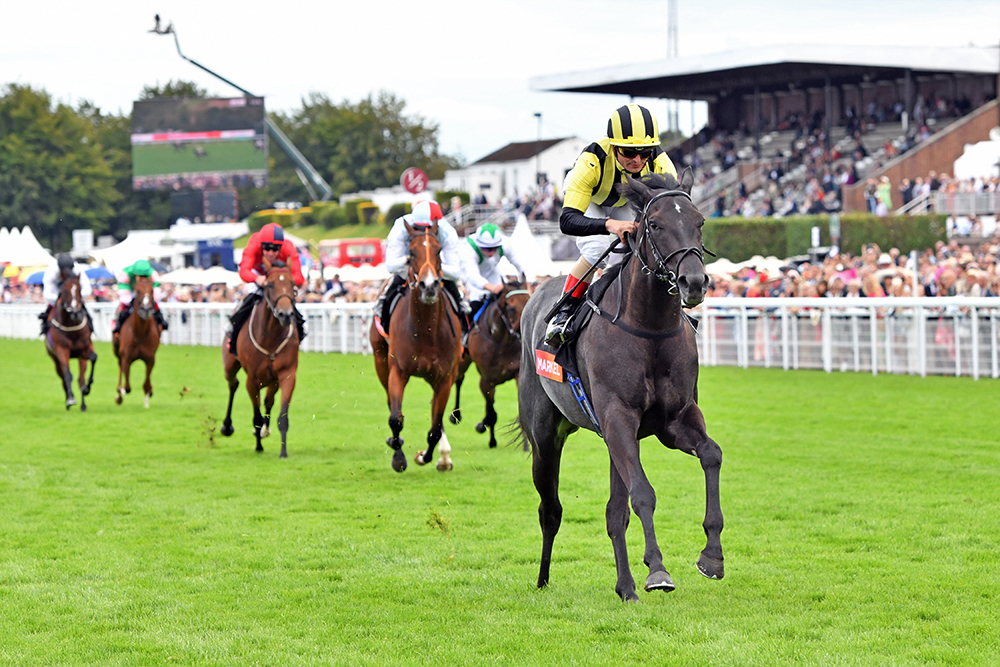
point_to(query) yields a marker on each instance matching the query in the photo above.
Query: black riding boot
(464, 310)
(300, 323)
(384, 302)
(121, 317)
(555, 333)
(239, 317)
(160, 319)
(44, 317)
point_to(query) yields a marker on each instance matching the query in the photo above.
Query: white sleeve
(451, 264)
(470, 267)
(511, 256)
(396, 248)
(50, 287)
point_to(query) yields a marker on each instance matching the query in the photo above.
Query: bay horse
(139, 338)
(267, 349)
(495, 348)
(69, 337)
(638, 362)
(424, 341)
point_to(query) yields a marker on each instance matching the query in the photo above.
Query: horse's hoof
(631, 597)
(265, 431)
(455, 417)
(118, 398)
(85, 390)
(398, 460)
(419, 458)
(226, 430)
(493, 444)
(83, 407)
(444, 466)
(260, 448)
(713, 568)
(659, 581)
(70, 402)
(145, 402)
(480, 427)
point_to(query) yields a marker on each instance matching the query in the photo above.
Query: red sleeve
(290, 256)
(252, 255)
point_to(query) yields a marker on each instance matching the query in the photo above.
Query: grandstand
(807, 109)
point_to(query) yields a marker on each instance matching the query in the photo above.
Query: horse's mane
(278, 264)
(651, 181)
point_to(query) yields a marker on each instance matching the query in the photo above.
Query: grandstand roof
(772, 68)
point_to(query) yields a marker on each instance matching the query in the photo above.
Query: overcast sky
(462, 65)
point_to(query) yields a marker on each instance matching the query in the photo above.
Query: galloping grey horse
(638, 362)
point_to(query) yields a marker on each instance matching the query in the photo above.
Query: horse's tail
(516, 434)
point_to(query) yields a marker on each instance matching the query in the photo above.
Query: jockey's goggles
(270, 246)
(629, 153)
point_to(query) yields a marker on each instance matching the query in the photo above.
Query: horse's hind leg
(490, 420)
(253, 388)
(234, 383)
(92, 358)
(82, 381)
(119, 392)
(456, 414)
(61, 359)
(690, 436)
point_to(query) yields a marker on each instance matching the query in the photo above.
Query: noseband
(414, 275)
(273, 305)
(516, 335)
(662, 271)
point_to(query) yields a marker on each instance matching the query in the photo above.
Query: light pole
(538, 154)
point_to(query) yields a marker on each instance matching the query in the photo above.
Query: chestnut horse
(495, 347)
(69, 337)
(138, 338)
(424, 341)
(267, 349)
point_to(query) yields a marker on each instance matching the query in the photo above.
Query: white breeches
(592, 247)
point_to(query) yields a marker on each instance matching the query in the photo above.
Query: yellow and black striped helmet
(633, 125)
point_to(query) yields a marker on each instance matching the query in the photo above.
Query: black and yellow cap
(632, 125)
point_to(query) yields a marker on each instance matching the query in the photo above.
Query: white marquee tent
(21, 248)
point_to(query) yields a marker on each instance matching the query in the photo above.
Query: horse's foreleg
(617, 516)
(253, 388)
(234, 383)
(396, 385)
(690, 436)
(439, 403)
(287, 387)
(620, 426)
(62, 369)
(82, 382)
(272, 389)
(456, 414)
(147, 386)
(488, 389)
(92, 358)
(119, 392)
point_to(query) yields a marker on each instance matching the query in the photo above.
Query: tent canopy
(21, 248)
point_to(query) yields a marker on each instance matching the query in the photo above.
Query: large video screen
(186, 143)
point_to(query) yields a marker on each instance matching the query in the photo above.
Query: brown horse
(138, 338)
(424, 341)
(267, 349)
(495, 347)
(68, 338)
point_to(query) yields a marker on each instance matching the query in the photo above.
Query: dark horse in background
(267, 349)
(138, 338)
(495, 348)
(638, 361)
(69, 337)
(424, 341)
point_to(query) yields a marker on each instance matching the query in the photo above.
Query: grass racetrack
(163, 158)
(861, 528)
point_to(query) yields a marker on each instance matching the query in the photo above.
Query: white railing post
(784, 339)
(974, 319)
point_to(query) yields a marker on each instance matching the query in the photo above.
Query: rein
(414, 275)
(270, 355)
(503, 312)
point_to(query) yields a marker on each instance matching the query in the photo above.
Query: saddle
(394, 298)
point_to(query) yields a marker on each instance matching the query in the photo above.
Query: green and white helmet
(488, 236)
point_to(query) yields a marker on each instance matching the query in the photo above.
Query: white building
(511, 170)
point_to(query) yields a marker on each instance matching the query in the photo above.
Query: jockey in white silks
(481, 255)
(397, 252)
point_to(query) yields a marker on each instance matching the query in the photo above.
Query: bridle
(502, 307)
(272, 306)
(663, 271)
(72, 313)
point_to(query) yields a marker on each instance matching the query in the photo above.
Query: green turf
(233, 155)
(861, 528)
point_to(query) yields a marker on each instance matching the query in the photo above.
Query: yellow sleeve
(582, 180)
(663, 165)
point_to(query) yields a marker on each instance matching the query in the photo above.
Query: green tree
(53, 176)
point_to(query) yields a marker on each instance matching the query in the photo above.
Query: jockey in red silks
(269, 243)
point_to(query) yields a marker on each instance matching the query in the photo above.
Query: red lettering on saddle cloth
(546, 366)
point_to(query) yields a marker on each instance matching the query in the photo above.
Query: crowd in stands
(948, 269)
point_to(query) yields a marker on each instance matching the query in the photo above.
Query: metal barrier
(967, 203)
(916, 336)
(331, 327)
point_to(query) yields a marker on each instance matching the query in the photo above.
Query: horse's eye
(653, 225)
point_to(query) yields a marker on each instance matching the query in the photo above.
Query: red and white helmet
(425, 213)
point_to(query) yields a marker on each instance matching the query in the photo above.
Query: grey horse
(638, 362)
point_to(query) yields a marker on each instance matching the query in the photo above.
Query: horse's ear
(266, 264)
(686, 181)
(409, 229)
(434, 228)
(636, 191)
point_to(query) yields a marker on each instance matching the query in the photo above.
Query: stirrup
(555, 333)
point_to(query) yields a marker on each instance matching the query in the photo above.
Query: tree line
(64, 168)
